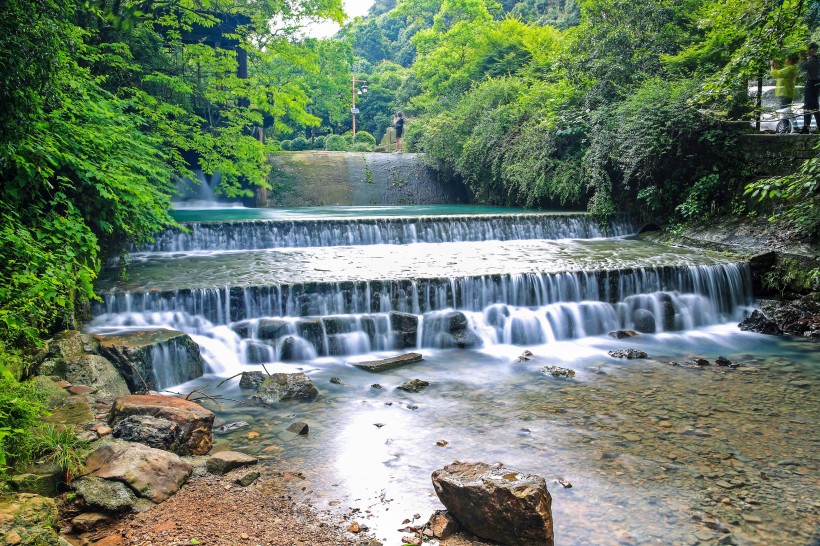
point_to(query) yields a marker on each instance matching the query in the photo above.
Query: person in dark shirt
(811, 94)
(398, 123)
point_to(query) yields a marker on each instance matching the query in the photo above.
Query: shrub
(365, 137)
(361, 147)
(336, 143)
(60, 445)
(286, 145)
(348, 136)
(319, 142)
(21, 406)
(299, 143)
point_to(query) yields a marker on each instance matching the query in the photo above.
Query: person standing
(811, 104)
(398, 123)
(785, 80)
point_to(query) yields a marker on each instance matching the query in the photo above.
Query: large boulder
(193, 432)
(65, 345)
(450, 329)
(497, 503)
(28, 520)
(154, 432)
(153, 359)
(759, 323)
(97, 372)
(644, 321)
(405, 328)
(106, 495)
(150, 473)
(225, 461)
(280, 387)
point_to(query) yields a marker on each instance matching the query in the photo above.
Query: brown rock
(442, 525)
(151, 473)
(225, 461)
(13, 538)
(113, 540)
(194, 421)
(299, 428)
(81, 390)
(89, 521)
(496, 503)
(103, 430)
(389, 363)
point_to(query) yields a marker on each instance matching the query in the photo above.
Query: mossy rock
(28, 520)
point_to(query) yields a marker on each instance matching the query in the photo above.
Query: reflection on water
(656, 454)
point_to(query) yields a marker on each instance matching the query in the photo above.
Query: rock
(723, 361)
(193, 421)
(644, 321)
(453, 329)
(354, 527)
(73, 410)
(338, 381)
(628, 353)
(252, 379)
(414, 385)
(246, 479)
(225, 461)
(556, 371)
(496, 503)
(621, 334)
(701, 361)
(281, 387)
(45, 480)
(71, 343)
(525, 356)
(299, 428)
(389, 363)
(153, 359)
(154, 432)
(54, 394)
(442, 525)
(376, 386)
(96, 372)
(405, 328)
(151, 473)
(90, 521)
(105, 495)
(82, 390)
(28, 520)
(761, 324)
(230, 427)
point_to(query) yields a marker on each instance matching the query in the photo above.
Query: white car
(776, 118)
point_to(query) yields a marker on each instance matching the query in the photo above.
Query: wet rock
(414, 385)
(496, 503)
(151, 473)
(453, 329)
(230, 427)
(71, 343)
(525, 356)
(280, 387)
(405, 329)
(154, 432)
(111, 496)
(247, 479)
(376, 386)
(73, 410)
(89, 521)
(761, 324)
(557, 371)
(441, 525)
(312, 330)
(83, 390)
(389, 363)
(28, 520)
(225, 461)
(723, 361)
(96, 372)
(250, 380)
(697, 361)
(338, 381)
(153, 359)
(628, 353)
(193, 421)
(644, 321)
(564, 483)
(45, 480)
(265, 328)
(299, 427)
(621, 334)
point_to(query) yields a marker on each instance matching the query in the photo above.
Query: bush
(299, 144)
(361, 147)
(319, 142)
(348, 136)
(286, 145)
(336, 143)
(365, 137)
(21, 407)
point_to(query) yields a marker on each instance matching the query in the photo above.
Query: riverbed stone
(441, 525)
(628, 353)
(97, 372)
(497, 503)
(454, 330)
(195, 423)
(414, 385)
(223, 462)
(45, 480)
(621, 334)
(557, 371)
(107, 495)
(28, 520)
(72, 410)
(280, 387)
(760, 323)
(252, 380)
(389, 363)
(151, 473)
(137, 356)
(405, 328)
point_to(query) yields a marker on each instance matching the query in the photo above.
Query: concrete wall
(316, 178)
(775, 155)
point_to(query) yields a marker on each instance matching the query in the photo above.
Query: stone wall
(774, 155)
(319, 178)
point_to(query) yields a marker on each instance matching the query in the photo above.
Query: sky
(353, 8)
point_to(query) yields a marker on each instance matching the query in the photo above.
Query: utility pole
(354, 91)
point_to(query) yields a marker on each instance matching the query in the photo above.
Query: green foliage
(21, 407)
(363, 137)
(299, 144)
(335, 143)
(318, 142)
(59, 445)
(789, 275)
(286, 145)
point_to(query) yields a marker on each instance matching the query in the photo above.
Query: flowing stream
(656, 453)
